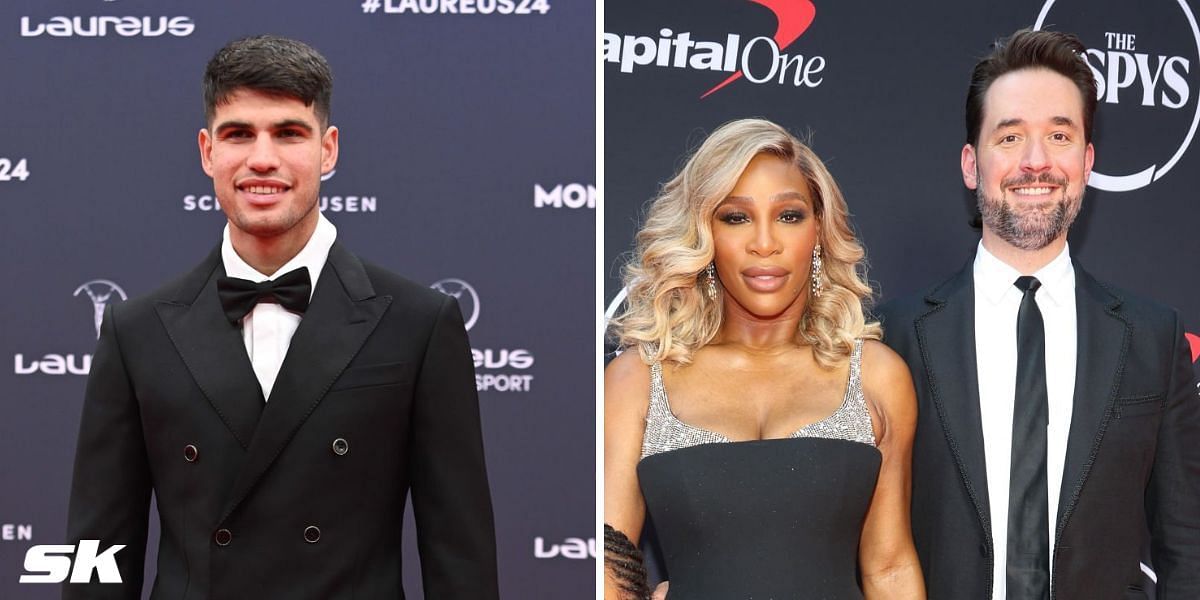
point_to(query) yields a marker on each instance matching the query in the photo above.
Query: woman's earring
(710, 281)
(816, 272)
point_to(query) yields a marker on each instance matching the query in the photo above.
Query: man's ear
(1089, 158)
(970, 168)
(204, 140)
(329, 149)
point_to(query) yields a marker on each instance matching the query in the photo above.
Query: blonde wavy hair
(667, 315)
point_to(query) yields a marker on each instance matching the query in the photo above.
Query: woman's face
(764, 233)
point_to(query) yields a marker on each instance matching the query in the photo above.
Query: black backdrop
(467, 155)
(882, 104)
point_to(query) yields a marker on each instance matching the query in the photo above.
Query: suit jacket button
(312, 533)
(190, 453)
(340, 447)
(223, 537)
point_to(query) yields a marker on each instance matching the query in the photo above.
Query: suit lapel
(213, 349)
(946, 335)
(343, 313)
(1103, 339)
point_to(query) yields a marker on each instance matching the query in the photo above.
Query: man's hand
(660, 592)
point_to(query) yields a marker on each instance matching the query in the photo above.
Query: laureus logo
(1141, 55)
(496, 369)
(100, 292)
(468, 299)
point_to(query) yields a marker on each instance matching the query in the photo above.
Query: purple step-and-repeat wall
(467, 163)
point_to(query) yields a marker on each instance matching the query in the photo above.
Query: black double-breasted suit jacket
(301, 496)
(1132, 474)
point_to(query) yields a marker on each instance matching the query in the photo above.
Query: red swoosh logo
(1194, 340)
(794, 16)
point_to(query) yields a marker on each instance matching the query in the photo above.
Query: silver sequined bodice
(851, 421)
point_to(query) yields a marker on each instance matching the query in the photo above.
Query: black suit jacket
(376, 397)
(1133, 452)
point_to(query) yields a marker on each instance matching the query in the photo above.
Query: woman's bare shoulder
(627, 383)
(886, 379)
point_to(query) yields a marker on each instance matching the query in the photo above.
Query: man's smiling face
(1031, 161)
(265, 154)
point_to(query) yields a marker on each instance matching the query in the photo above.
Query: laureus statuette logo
(100, 292)
(462, 291)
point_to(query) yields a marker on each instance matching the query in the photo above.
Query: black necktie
(239, 296)
(1028, 565)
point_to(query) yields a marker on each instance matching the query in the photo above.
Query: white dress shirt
(268, 329)
(996, 303)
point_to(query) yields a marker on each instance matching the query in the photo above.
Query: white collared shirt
(996, 303)
(268, 329)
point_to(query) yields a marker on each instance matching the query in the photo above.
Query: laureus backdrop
(467, 163)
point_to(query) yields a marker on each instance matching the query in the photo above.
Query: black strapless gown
(761, 520)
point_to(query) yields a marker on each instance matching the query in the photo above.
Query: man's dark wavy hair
(1060, 52)
(273, 65)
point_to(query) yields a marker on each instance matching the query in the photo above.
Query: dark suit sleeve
(110, 491)
(1173, 497)
(453, 509)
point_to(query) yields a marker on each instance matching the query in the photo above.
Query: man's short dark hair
(269, 64)
(1059, 52)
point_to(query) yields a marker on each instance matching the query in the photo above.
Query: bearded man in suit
(282, 398)
(1059, 424)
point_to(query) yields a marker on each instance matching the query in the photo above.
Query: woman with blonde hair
(754, 413)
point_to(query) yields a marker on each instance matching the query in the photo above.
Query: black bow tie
(239, 296)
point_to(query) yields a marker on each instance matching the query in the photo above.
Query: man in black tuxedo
(283, 397)
(1059, 429)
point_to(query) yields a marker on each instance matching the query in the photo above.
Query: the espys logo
(495, 368)
(1144, 82)
(760, 60)
(101, 292)
(333, 203)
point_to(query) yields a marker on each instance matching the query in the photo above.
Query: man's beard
(1030, 227)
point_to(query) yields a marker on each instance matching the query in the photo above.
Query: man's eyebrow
(1064, 121)
(288, 123)
(1057, 120)
(284, 124)
(227, 125)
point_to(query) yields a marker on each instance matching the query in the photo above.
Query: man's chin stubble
(1026, 231)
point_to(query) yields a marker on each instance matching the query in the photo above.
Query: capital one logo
(760, 60)
(1143, 56)
(100, 292)
(1194, 343)
(50, 563)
